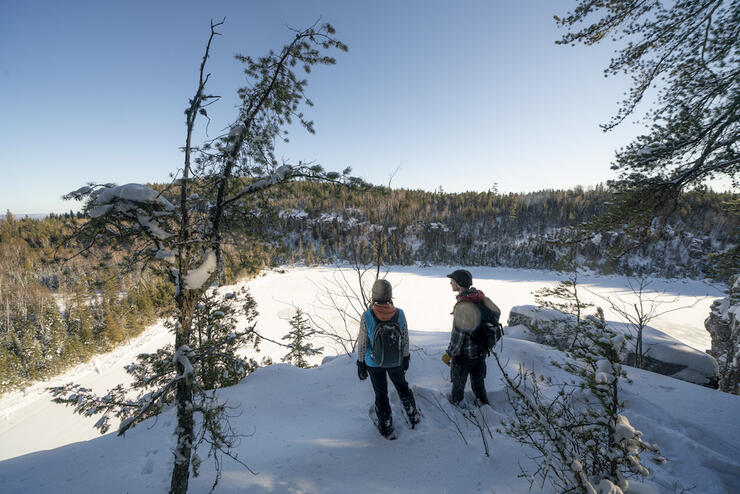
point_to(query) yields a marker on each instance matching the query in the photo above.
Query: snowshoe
(384, 426)
(413, 417)
(387, 431)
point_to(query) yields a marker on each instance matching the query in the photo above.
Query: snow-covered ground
(308, 430)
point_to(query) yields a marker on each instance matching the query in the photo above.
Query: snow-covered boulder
(662, 353)
(723, 324)
(547, 325)
(520, 332)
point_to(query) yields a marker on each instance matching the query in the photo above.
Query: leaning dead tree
(181, 230)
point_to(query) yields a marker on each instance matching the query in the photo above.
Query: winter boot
(412, 413)
(385, 424)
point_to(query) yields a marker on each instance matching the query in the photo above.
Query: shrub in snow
(583, 441)
(647, 306)
(299, 345)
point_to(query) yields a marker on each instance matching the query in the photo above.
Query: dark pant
(459, 370)
(380, 386)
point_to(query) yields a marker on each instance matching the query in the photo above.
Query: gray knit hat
(382, 291)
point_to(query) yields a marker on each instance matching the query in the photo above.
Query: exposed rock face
(662, 353)
(723, 324)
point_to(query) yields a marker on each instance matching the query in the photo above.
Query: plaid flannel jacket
(461, 344)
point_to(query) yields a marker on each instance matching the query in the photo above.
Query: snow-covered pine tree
(180, 231)
(299, 343)
(213, 361)
(585, 443)
(217, 338)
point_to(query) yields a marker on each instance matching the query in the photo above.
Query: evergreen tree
(691, 50)
(185, 239)
(112, 331)
(217, 338)
(299, 344)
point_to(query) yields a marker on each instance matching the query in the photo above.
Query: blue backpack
(387, 345)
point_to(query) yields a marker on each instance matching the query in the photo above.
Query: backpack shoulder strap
(371, 321)
(401, 317)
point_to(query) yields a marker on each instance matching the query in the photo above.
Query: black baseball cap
(462, 277)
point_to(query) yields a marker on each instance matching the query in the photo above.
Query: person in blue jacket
(381, 312)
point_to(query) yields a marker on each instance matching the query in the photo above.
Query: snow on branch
(196, 278)
(182, 356)
(280, 175)
(135, 201)
(131, 193)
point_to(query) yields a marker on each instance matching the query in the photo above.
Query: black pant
(380, 386)
(459, 370)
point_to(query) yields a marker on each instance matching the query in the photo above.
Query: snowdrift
(308, 431)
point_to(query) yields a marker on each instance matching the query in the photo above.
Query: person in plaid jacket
(463, 355)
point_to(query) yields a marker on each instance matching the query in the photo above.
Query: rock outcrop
(723, 324)
(662, 353)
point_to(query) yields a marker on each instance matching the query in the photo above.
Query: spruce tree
(299, 343)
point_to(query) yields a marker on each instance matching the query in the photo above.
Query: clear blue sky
(460, 94)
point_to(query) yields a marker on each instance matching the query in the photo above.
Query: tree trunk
(184, 397)
(181, 467)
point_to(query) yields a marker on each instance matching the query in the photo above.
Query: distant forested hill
(516, 230)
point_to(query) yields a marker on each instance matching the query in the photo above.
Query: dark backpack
(387, 345)
(490, 331)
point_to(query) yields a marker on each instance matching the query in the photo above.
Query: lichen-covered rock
(723, 324)
(662, 353)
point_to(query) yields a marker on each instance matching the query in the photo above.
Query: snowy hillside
(309, 431)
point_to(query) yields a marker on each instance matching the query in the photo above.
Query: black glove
(406, 362)
(361, 370)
